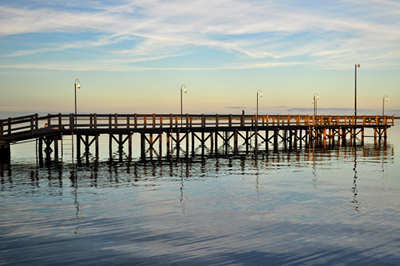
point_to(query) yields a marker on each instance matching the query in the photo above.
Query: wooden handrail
(82, 121)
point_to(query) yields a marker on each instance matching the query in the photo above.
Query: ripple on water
(336, 206)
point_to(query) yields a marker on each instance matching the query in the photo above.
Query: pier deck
(217, 133)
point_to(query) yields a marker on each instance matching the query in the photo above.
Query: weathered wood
(168, 140)
(97, 147)
(120, 147)
(160, 146)
(78, 148)
(320, 130)
(110, 153)
(235, 142)
(142, 147)
(130, 147)
(55, 150)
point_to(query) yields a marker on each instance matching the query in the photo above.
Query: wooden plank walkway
(181, 133)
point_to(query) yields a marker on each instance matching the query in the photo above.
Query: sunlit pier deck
(174, 135)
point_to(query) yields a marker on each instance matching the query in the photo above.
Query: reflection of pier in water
(99, 174)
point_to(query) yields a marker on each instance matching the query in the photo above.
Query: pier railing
(32, 123)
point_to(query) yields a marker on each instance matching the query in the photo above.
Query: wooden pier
(175, 136)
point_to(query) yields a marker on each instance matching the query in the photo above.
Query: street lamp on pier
(384, 99)
(356, 66)
(183, 90)
(259, 95)
(315, 102)
(77, 85)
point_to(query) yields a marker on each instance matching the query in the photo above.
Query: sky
(134, 55)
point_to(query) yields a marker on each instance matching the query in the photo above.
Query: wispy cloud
(117, 65)
(255, 33)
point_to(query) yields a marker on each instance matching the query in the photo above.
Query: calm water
(313, 207)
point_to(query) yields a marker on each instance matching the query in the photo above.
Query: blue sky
(133, 55)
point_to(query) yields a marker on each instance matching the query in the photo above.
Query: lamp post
(77, 84)
(259, 95)
(356, 66)
(384, 99)
(183, 90)
(315, 102)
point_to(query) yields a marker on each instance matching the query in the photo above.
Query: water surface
(338, 206)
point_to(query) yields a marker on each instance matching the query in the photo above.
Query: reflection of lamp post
(384, 99)
(315, 102)
(183, 90)
(77, 84)
(259, 95)
(355, 88)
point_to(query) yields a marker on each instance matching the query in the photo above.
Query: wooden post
(203, 120)
(290, 139)
(344, 136)
(130, 146)
(235, 141)
(142, 147)
(5, 154)
(95, 120)
(110, 137)
(276, 132)
(177, 142)
(301, 138)
(9, 126)
(151, 146)
(96, 144)
(55, 149)
(306, 137)
(135, 120)
(120, 147)
(87, 146)
(385, 134)
(256, 135)
(49, 120)
(187, 136)
(193, 143)
(59, 122)
(284, 138)
(40, 150)
(78, 148)
(216, 133)
(36, 121)
(226, 142)
(247, 141)
(160, 146)
(168, 145)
